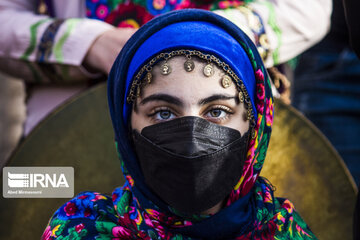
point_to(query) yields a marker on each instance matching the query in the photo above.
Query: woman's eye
(164, 115)
(217, 113)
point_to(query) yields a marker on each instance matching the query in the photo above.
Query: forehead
(188, 85)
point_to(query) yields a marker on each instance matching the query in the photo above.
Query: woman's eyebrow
(216, 97)
(162, 97)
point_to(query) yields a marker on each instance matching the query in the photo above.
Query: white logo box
(38, 182)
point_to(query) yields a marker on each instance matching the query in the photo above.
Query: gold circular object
(148, 77)
(241, 96)
(226, 81)
(165, 69)
(300, 163)
(208, 70)
(189, 65)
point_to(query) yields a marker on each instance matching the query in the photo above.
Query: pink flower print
(130, 180)
(288, 206)
(121, 232)
(70, 209)
(269, 233)
(260, 107)
(98, 197)
(224, 4)
(301, 231)
(162, 233)
(260, 91)
(128, 229)
(83, 197)
(79, 227)
(268, 197)
(156, 224)
(47, 233)
(102, 11)
(248, 180)
(148, 220)
(259, 75)
(129, 15)
(185, 4)
(260, 95)
(114, 197)
(269, 111)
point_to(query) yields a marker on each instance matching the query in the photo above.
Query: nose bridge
(191, 108)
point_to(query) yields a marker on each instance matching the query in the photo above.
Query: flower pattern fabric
(135, 13)
(121, 217)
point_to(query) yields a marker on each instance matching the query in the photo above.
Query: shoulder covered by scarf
(133, 212)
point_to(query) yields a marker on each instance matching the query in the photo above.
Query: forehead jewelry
(226, 81)
(138, 92)
(189, 64)
(148, 77)
(241, 96)
(208, 70)
(144, 76)
(165, 68)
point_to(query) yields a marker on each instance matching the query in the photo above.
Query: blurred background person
(61, 47)
(327, 90)
(353, 22)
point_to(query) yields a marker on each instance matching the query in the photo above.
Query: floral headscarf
(134, 212)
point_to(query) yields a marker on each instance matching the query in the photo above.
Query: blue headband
(202, 36)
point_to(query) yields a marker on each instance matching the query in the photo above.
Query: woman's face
(182, 93)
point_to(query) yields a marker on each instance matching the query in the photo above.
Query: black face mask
(191, 163)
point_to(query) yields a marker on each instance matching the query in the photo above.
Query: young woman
(192, 110)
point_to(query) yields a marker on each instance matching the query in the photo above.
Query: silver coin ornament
(165, 69)
(226, 81)
(189, 65)
(208, 70)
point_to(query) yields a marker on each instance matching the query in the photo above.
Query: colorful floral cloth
(251, 212)
(92, 215)
(135, 13)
